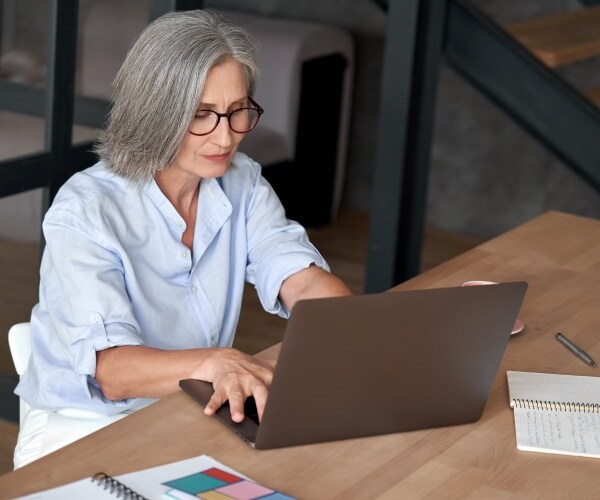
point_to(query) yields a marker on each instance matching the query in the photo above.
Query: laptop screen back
(396, 361)
(382, 363)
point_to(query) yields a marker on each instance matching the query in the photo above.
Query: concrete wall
(487, 175)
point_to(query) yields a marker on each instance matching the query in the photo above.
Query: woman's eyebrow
(207, 105)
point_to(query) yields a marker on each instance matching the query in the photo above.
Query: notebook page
(182, 480)
(564, 433)
(533, 386)
(146, 482)
(84, 488)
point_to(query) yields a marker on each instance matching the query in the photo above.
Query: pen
(580, 353)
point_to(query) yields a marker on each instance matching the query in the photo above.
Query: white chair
(68, 424)
(19, 342)
(20, 346)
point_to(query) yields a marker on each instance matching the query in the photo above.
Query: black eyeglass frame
(256, 108)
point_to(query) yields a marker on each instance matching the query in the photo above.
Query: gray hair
(157, 90)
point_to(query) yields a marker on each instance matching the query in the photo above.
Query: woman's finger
(236, 405)
(260, 394)
(215, 402)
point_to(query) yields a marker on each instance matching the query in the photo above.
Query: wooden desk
(558, 254)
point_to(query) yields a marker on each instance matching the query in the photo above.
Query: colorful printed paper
(217, 484)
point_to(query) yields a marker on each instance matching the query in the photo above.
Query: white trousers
(42, 432)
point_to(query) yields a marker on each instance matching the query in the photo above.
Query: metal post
(61, 92)
(414, 40)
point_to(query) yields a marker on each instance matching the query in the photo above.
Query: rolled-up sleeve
(86, 294)
(277, 247)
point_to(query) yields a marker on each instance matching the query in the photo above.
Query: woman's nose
(222, 135)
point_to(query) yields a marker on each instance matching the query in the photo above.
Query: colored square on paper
(214, 495)
(173, 494)
(245, 490)
(277, 495)
(195, 483)
(222, 475)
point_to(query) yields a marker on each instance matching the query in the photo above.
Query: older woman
(147, 251)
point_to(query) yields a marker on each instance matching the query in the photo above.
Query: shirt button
(95, 319)
(194, 289)
(180, 224)
(183, 255)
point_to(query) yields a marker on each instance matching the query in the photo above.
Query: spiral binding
(115, 487)
(555, 406)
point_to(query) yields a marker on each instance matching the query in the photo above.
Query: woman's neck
(183, 195)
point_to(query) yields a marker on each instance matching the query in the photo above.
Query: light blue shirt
(115, 272)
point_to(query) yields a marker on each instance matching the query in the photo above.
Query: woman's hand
(269, 356)
(235, 377)
(144, 372)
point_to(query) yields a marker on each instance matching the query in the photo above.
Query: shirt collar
(214, 209)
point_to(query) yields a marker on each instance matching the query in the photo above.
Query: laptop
(381, 363)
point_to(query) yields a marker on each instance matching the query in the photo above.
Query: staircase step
(561, 39)
(594, 96)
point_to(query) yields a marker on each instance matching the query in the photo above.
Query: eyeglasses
(240, 120)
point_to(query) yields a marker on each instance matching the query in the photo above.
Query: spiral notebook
(201, 477)
(556, 413)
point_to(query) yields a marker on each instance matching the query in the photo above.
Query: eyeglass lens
(241, 120)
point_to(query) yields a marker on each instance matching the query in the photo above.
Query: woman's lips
(217, 158)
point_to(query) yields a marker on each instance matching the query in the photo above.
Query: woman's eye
(203, 115)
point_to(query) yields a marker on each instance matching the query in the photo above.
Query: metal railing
(535, 97)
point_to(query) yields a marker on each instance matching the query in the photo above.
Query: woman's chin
(214, 171)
